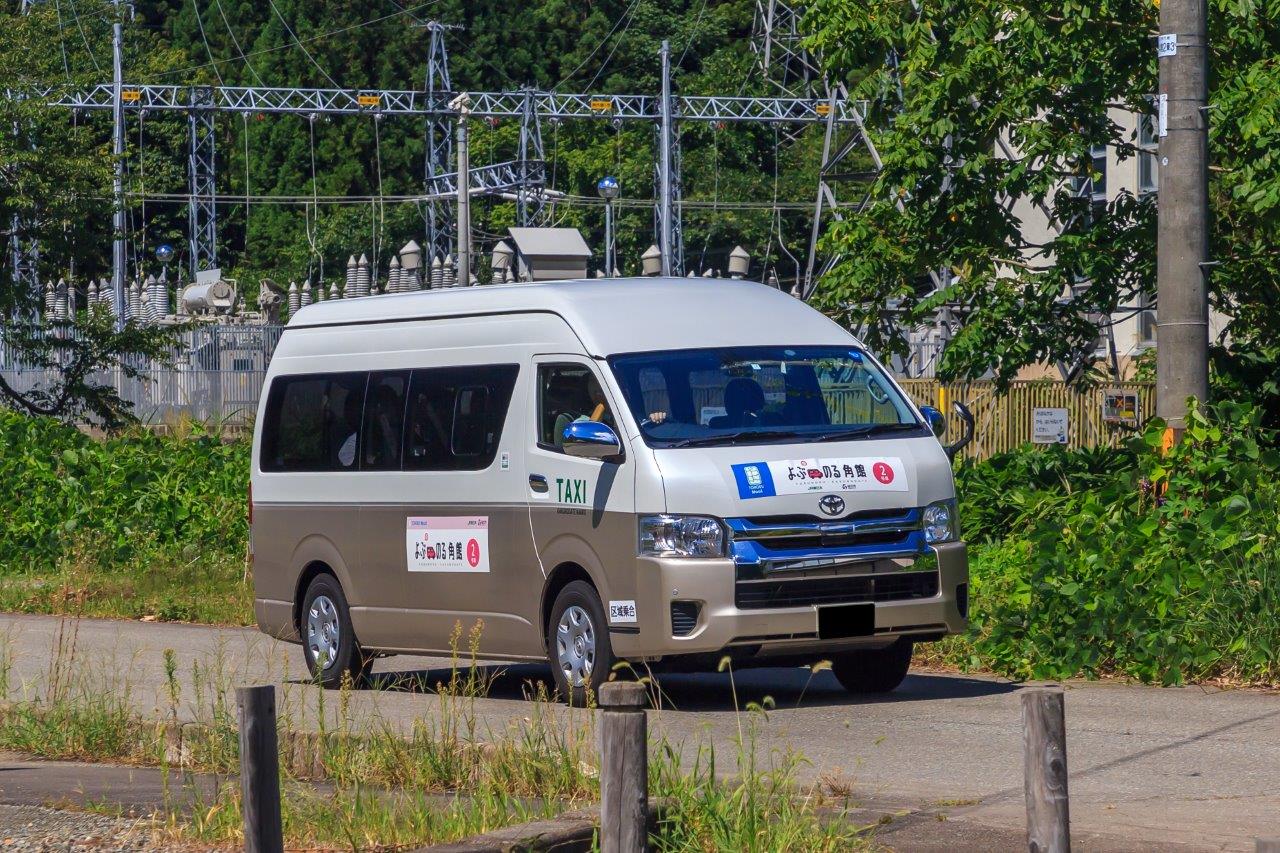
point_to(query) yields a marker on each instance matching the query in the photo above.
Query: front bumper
(721, 624)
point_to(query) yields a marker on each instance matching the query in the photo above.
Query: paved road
(1151, 768)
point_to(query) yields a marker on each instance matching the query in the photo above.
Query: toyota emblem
(831, 505)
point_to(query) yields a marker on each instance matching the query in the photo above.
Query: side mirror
(935, 419)
(966, 418)
(591, 440)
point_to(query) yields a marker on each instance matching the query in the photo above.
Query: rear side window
(455, 417)
(382, 435)
(313, 423)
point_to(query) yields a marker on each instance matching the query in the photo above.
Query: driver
(743, 403)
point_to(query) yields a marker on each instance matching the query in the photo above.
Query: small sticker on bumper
(621, 612)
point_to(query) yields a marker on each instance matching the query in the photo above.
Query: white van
(661, 471)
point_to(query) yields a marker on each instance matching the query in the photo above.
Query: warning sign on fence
(1049, 426)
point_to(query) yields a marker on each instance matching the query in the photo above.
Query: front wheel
(578, 643)
(873, 670)
(328, 642)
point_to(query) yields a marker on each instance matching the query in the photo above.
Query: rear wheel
(578, 643)
(873, 670)
(328, 642)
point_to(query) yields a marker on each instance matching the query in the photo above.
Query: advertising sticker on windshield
(801, 476)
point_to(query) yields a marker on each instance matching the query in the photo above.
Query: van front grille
(804, 592)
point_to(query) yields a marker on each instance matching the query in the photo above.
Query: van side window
(455, 417)
(568, 393)
(313, 423)
(381, 435)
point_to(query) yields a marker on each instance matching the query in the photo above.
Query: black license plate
(846, 620)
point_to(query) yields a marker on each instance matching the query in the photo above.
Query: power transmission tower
(1182, 250)
(530, 198)
(202, 214)
(439, 141)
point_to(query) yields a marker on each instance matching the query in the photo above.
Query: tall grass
(448, 776)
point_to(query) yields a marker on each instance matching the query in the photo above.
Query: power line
(235, 41)
(83, 37)
(596, 49)
(301, 46)
(308, 39)
(208, 51)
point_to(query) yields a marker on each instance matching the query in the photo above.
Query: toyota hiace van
(661, 471)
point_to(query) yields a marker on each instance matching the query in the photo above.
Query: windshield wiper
(728, 437)
(861, 432)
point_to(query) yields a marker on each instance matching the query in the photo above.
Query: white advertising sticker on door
(458, 544)
(843, 474)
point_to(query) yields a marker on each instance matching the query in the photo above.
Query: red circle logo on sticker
(473, 553)
(883, 472)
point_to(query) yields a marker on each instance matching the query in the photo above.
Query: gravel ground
(43, 829)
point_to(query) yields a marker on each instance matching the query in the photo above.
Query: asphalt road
(1150, 768)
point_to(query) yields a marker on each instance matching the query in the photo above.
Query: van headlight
(940, 523)
(680, 536)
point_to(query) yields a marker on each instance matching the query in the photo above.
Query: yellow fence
(1004, 421)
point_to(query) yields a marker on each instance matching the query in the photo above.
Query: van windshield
(761, 395)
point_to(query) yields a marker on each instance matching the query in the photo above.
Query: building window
(1148, 147)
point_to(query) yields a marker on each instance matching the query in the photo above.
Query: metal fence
(216, 373)
(211, 374)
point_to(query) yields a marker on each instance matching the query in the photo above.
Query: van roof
(611, 315)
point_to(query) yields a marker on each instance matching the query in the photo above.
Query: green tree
(1047, 81)
(55, 172)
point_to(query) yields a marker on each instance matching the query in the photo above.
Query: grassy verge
(444, 778)
(155, 585)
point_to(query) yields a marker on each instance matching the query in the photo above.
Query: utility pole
(117, 148)
(666, 231)
(462, 104)
(1182, 250)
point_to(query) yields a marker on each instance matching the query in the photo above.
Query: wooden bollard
(259, 770)
(1044, 741)
(624, 767)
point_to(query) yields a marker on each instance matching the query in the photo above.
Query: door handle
(538, 483)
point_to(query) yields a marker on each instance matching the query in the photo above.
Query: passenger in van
(591, 405)
(351, 426)
(743, 403)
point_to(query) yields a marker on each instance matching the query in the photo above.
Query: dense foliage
(609, 46)
(1049, 82)
(135, 525)
(1158, 567)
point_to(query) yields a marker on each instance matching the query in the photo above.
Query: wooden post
(1044, 740)
(624, 768)
(259, 770)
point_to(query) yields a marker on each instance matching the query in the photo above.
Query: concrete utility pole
(462, 104)
(666, 235)
(117, 148)
(1182, 311)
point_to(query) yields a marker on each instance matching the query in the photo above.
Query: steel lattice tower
(202, 214)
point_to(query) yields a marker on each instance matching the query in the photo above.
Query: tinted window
(313, 423)
(382, 434)
(455, 417)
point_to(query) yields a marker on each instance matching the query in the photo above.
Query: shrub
(1163, 571)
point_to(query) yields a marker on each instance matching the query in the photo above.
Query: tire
(324, 616)
(578, 646)
(873, 670)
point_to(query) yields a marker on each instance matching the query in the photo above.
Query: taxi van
(656, 471)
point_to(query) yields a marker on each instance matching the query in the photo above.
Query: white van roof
(611, 315)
